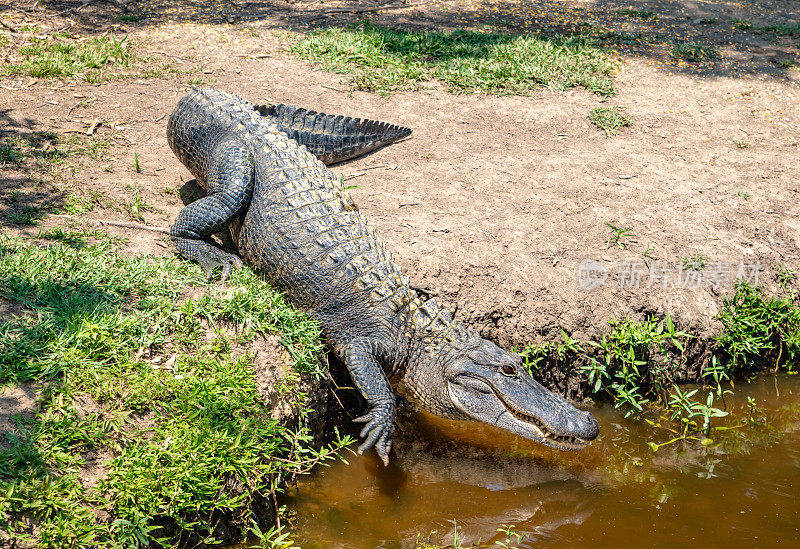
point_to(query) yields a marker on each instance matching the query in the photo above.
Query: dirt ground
(497, 206)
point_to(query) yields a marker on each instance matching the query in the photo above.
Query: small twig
(374, 167)
(93, 127)
(125, 224)
(69, 26)
(348, 177)
(160, 118)
(8, 26)
(332, 88)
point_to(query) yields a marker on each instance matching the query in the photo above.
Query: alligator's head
(485, 383)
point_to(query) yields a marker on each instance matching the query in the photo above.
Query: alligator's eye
(508, 370)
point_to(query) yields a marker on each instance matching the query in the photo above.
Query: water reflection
(740, 491)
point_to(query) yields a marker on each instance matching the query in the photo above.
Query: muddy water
(739, 491)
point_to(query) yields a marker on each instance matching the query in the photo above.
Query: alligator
(292, 220)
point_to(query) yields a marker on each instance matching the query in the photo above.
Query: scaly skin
(331, 138)
(294, 222)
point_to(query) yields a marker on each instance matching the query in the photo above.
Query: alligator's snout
(584, 425)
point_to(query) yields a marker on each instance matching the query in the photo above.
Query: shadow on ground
(712, 39)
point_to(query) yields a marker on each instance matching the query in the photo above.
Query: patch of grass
(787, 29)
(188, 440)
(385, 60)
(78, 204)
(742, 24)
(609, 119)
(51, 153)
(27, 215)
(62, 58)
(785, 276)
(10, 153)
(637, 14)
(695, 263)
(758, 329)
(130, 17)
(694, 53)
(786, 63)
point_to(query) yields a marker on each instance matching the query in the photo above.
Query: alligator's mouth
(547, 436)
(482, 401)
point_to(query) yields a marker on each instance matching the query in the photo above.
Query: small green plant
(555, 352)
(196, 81)
(627, 369)
(742, 194)
(708, 20)
(647, 255)
(137, 207)
(638, 14)
(742, 24)
(694, 53)
(741, 144)
(129, 17)
(694, 263)
(513, 539)
(618, 236)
(609, 119)
(786, 63)
(457, 543)
(785, 276)
(136, 167)
(10, 154)
(758, 329)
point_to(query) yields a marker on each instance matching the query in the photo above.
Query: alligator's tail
(329, 137)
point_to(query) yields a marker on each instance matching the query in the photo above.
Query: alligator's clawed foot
(218, 258)
(378, 430)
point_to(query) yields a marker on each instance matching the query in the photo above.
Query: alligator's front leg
(230, 187)
(360, 357)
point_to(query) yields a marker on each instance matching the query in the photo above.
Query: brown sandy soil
(494, 202)
(16, 404)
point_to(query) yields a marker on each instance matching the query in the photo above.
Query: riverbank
(534, 226)
(143, 405)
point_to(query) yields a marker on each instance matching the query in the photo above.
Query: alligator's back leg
(229, 182)
(332, 138)
(361, 358)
